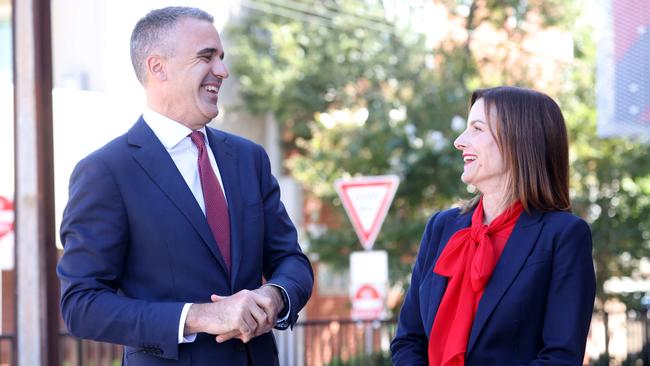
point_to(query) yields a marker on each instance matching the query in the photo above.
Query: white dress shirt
(175, 138)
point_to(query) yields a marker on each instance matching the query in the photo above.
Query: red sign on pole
(366, 201)
(6, 216)
(367, 303)
(368, 284)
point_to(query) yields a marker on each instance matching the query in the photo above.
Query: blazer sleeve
(410, 345)
(94, 233)
(570, 299)
(284, 262)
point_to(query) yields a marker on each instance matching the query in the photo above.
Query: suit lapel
(439, 283)
(226, 158)
(156, 162)
(519, 245)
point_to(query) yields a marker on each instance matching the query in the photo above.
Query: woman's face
(484, 165)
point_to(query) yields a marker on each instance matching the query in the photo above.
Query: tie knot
(477, 232)
(197, 139)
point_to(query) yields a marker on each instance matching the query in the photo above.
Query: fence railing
(76, 352)
(621, 338)
(338, 342)
(7, 349)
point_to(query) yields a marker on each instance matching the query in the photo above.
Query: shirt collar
(169, 132)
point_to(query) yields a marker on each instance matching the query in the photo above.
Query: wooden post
(37, 286)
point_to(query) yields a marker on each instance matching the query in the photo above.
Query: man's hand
(272, 303)
(270, 300)
(238, 314)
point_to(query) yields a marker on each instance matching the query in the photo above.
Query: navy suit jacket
(138, 247)
(536, 308)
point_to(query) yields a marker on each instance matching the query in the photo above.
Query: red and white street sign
(6, 216)
(367, 303)
(368, 284)
(366, 201)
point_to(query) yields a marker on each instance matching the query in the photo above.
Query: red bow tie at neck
(468, 260)
(471, 244)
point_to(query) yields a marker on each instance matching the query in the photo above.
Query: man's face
(194, 71)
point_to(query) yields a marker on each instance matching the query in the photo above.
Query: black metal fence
(621, 338)
(337, 342)
(76, 352)
(340, 342)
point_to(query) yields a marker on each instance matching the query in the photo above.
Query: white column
(36, 317)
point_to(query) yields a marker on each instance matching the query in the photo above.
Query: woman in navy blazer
(536, 306)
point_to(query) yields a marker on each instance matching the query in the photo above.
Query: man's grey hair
(149, 34)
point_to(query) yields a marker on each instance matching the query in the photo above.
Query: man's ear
(156, 67)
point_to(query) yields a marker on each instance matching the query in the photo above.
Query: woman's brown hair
(532, 137)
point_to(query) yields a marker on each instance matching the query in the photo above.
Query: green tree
(610, 176)
(357, 101)
(358, 95)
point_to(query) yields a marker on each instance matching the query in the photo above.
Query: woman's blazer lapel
(438, 282)
(518, 248)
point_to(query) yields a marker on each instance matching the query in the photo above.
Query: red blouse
(468, 260)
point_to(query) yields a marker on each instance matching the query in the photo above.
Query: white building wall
(98, 96)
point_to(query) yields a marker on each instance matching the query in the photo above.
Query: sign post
(366, 201)
(369, 280)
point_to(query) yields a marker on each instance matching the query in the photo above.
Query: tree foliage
(610, 177)
(359, 95)
(357, 101)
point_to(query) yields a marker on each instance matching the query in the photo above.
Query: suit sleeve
(410, 345)
(95, 236)
(284, 263)
(570, 299)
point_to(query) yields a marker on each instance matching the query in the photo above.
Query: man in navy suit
(171, 228)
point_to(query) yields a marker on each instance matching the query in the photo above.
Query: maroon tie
(216, 209)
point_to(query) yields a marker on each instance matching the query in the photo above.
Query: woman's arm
(570, 299)
(409, 347)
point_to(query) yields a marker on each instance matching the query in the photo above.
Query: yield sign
(366, 200)
(6, 216)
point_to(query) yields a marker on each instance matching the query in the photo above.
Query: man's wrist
(280, 297)
(183, 335)
(284, 314)
(193, 319)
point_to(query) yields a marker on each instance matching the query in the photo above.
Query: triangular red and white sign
(366, 201)
(6, 216)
